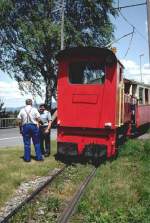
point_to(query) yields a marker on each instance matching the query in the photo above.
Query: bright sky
(137, 16)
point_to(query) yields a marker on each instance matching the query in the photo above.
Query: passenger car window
(141, 95)
(86, 73)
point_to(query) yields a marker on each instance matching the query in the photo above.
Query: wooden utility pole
(62, 26)
(148, 24)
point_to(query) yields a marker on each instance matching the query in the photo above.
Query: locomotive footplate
(68, 149)
(95, 151)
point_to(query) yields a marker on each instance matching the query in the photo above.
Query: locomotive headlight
(108, 125)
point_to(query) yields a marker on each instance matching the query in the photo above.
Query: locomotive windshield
(86, 73)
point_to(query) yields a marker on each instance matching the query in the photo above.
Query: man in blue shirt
(45, 126)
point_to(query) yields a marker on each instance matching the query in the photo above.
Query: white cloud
(132, 71)
(146, 66)
(129, 64)
(11, 95)
(9, 90)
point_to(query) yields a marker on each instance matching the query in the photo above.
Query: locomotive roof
(107, 54)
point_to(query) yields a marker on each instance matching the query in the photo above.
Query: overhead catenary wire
(129, 6)
(132, 34)
(129, 23)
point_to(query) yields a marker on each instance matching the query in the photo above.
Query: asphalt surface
(11, 137)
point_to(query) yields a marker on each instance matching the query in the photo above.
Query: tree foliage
(30, 35)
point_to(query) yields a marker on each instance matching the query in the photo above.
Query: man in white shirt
(29, 128)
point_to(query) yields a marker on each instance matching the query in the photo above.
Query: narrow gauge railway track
(32, 195)
(66, 214)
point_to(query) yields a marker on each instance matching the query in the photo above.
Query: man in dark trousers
(29, 128)
(45, 126)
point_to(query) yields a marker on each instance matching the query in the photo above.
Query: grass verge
(13, 170)
(120, 192)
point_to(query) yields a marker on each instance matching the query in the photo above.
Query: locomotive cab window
(86, 73)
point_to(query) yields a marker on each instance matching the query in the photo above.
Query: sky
(128, 52)
(137, 17)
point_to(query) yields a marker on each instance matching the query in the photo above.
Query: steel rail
(33, 194)
(64, 217)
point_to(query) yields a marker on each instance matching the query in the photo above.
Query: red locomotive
(96, 106)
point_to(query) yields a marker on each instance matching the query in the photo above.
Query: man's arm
(48, 127)
(38, 121)
(49, 122)
(20, 127)
(54, 116)
(37, 114)
(19, 122)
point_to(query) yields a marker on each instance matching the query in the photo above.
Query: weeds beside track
(48, 206)
(64, 217)
(31, 196)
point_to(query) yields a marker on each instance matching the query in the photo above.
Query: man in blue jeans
(29, 128)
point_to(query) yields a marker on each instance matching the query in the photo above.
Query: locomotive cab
(90, 102)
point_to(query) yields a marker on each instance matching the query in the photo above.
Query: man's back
(28, 114)
(29, 118)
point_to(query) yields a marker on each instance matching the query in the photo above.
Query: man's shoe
(47, 154)
(27, 160)
(40, 159)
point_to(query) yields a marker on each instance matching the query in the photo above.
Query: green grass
(13, 170)
(120, 192)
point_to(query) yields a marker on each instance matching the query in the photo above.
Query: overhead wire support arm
(109, 44)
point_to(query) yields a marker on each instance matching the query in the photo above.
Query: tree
(1, 105)
(3, 113)
(30, 35)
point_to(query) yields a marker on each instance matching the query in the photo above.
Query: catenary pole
(141, 55)
(62, 26)
(62, 9)
(148, 25)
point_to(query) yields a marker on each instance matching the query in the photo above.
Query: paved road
(12, 137)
